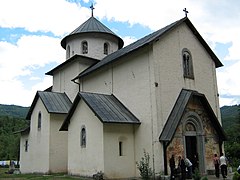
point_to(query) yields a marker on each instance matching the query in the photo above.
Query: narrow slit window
(39, 120)
(120, 148)
(26, 146)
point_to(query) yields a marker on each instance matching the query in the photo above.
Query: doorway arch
(193, 138)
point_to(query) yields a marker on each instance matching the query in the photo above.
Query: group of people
(220, 163)
(184, 169)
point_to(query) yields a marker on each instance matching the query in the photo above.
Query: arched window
(39, 120)
(84, 47)
(105, 48)
(187, 64)
(83, 137)
(68, 52)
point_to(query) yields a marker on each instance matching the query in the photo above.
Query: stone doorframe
(193, 126)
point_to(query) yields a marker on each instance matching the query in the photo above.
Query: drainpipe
(77, 84)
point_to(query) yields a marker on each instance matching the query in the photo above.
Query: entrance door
(191, 150)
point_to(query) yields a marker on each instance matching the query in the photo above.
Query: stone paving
(213, 177)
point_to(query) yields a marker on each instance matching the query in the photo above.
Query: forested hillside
(12, 119)
(13, 111)
(230, 115)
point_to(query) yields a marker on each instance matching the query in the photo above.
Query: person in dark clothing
(172, 166)
(195, 163)
(216, 165)
(182, 166)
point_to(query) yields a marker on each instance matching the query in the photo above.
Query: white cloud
(29, 53)
(57, 16)
(228, 84)
(128, 40)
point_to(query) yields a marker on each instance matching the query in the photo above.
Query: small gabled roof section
(148, 40)
(74, 58)
(92, 25)
(106, 107)
(23, 131)
(54, 102)
(178, 111)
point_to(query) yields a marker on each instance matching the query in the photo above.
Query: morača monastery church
(108, 104)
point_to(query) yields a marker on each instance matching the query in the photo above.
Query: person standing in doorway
(216, 165)
(223, 165)
(189, 167)
(172, 166)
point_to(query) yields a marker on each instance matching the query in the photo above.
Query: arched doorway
(194, 140)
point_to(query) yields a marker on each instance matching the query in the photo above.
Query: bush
(143, 166)
(196, 175)
(236, 176)
(204, 178)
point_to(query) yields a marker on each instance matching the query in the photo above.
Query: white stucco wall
(95, 44)
(24, 155)
(88, 160)
(117, 166)
(37, 157)
(169, 72)
(58, 144)
(62, 78)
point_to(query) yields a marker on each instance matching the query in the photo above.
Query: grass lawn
(60, 176)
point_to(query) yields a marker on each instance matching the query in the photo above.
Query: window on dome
(68, 52)
(105, 48)
(84, 47)
(187, 64)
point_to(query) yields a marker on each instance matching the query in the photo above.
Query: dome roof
(92, 25)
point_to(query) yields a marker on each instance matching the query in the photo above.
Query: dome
(92, 25)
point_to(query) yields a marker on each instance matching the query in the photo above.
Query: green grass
(60, 176)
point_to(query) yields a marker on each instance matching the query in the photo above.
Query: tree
(232, 146)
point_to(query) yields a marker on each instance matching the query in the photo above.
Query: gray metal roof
(147, 40)
(92, 25)
(74, 58)
(106, 107)
(178, 111)
(54, 102)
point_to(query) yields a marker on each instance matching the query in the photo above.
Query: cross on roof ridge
(186, 12)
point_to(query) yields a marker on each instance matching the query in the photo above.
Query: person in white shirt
(223, 165)
(189, 167)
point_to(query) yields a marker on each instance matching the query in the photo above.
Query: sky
(31, 32)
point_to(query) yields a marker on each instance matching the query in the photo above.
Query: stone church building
(108, 104)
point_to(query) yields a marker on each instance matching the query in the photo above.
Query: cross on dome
(92, 8)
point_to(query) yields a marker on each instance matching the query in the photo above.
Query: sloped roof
(23, 131)
(178, 111)
(92, 25)
(147, 40)
(71, 60)
(54, 102)
(106, 107)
